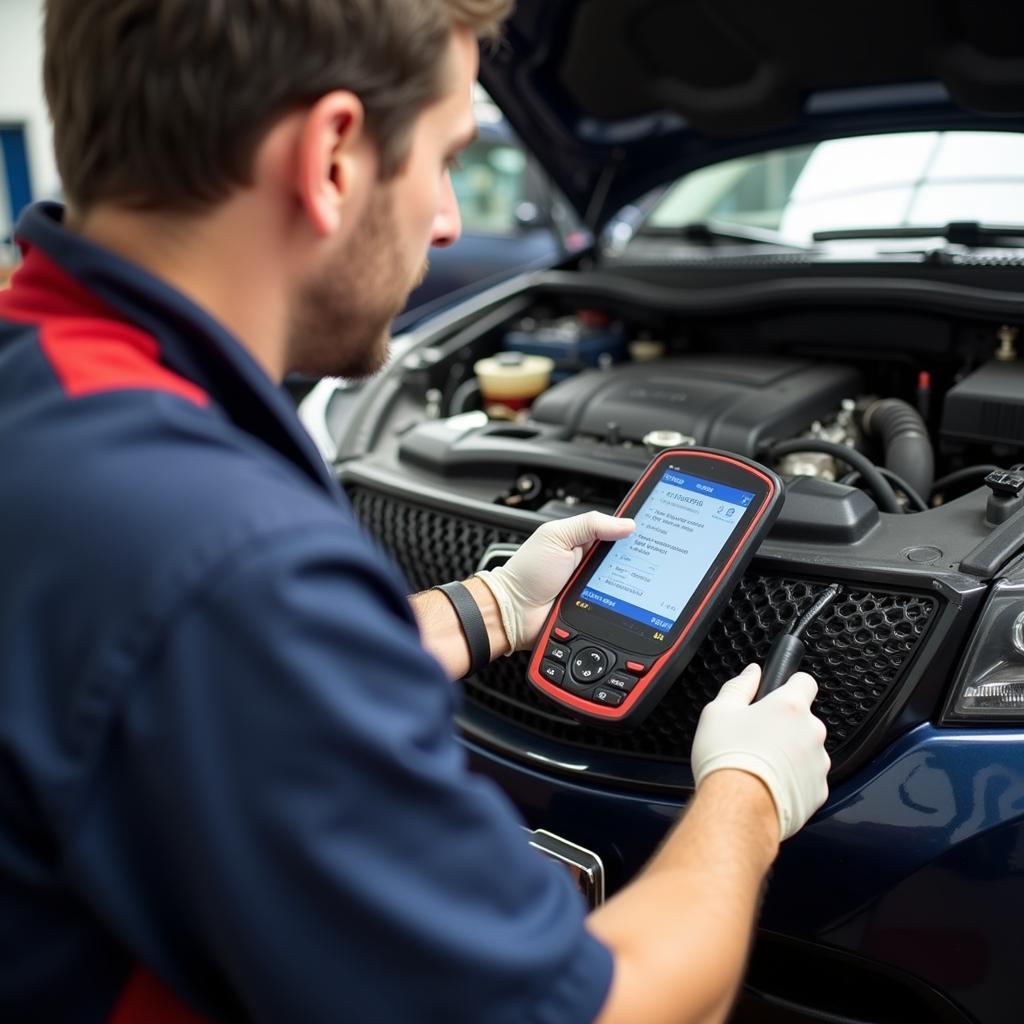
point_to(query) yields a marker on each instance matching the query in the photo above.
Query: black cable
(830, 594)
(913, 497)
(787, 650)
(468, 389)
(877, 484)
(456, 376)
(961, 474)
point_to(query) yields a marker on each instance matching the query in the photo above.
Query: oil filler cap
(658, 440)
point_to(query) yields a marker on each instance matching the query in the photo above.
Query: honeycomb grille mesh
(857, 648)
(431, 547)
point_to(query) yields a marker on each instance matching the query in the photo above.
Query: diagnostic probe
(788, 648)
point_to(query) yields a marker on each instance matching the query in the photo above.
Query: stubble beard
(341, 322)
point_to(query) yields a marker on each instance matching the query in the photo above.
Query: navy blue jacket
(229, 787)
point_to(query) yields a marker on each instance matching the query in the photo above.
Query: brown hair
(160, 104)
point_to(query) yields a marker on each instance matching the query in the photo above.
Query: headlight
(989, 684)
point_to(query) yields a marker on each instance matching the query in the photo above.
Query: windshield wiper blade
(959, 232)
(706, 231)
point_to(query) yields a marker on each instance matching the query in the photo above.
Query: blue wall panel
(15, 163)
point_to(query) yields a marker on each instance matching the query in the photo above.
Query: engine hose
(879, 486)
(908, 449)
(466, 392)
(915, 499)
(960, 475)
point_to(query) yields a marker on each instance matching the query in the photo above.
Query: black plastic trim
(366, 474)
(1002, 544)
(775, 291)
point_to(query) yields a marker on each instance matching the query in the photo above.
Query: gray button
(556, 652)
(556, 673)
(621, 681)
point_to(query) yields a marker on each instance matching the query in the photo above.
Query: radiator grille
(431, 547)
(857, 649)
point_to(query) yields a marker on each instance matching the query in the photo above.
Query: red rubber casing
(666, 666)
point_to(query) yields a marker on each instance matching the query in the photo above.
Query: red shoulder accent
(89, 345)
(40, 290)
(91, 356)
(146, 1000)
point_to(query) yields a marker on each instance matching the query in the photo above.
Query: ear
(334, 160)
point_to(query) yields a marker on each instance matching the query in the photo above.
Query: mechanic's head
(342, 116)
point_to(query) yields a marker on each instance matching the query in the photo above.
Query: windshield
(913, 179)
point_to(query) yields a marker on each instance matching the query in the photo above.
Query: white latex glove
(777, 739)
(531, 579)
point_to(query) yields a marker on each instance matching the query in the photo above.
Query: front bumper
(914, 869)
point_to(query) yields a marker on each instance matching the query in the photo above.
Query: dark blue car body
(900, 901)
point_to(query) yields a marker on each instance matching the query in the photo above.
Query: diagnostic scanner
(635, 611)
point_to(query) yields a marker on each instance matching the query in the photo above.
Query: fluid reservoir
(513, 379)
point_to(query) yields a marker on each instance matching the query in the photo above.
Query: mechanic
(229, 783)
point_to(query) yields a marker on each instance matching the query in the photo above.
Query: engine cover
(730, 403)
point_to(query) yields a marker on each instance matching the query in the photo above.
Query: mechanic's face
(342, 323)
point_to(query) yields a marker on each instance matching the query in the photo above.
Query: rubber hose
(908, 449)
(880, 487)
(463, 394)
(959, 475)
(914, 499)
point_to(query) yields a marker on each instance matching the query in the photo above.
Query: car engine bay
(885, 421)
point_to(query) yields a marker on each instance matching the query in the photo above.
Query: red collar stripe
(91, 348)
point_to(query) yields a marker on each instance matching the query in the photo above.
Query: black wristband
(472, 621)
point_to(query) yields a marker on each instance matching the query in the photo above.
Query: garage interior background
(27, 168)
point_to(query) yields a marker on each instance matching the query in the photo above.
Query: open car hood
(615, 97)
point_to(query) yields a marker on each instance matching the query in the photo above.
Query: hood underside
(615, 97)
